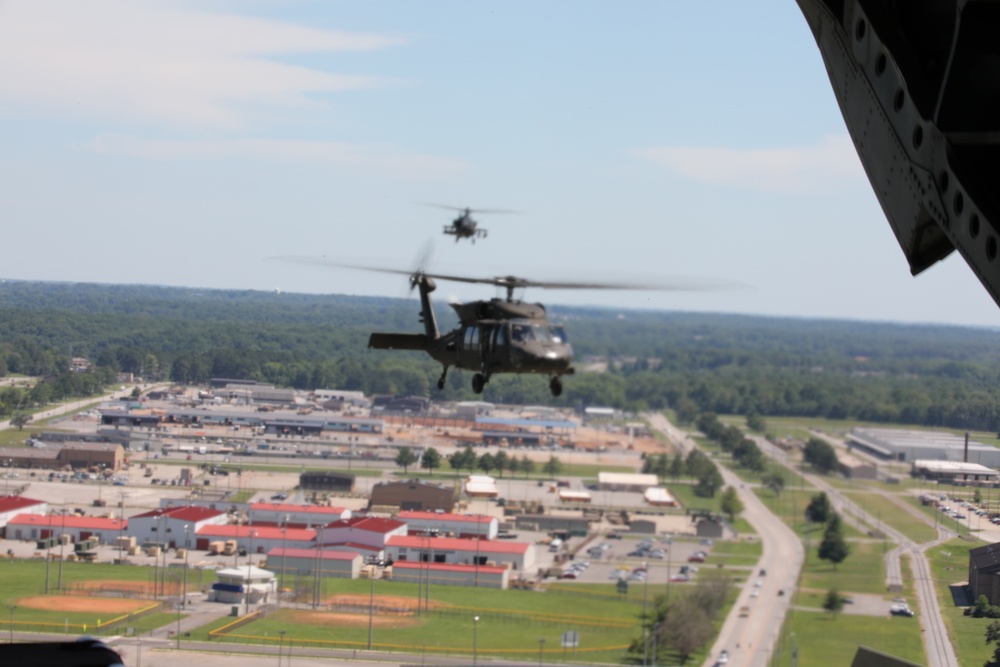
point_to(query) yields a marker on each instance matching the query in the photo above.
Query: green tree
(755, 422)
(405, 458)
(775, 481)
(820, 454)
(500, 461)
(527, 466)
(486, 463)
(709, 482)
(833, 603)
(730, 503)
(431, 460)
(676, 466)
(993, 637)
(977, 497)
(819, 509)
(552, 467)
(834, 547)
(20, 420)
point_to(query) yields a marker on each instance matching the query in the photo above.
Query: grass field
(949, 566)
(887, 511)
(512, 624)
(22, 585)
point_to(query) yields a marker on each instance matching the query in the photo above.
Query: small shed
(236, 583)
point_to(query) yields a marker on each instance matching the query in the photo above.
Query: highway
(751, 640)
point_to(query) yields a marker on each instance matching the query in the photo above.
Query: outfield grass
(26, 578)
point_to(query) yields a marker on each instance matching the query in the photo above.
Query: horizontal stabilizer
(388, 341)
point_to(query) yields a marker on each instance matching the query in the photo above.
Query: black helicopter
(495, 336)
(464, 227)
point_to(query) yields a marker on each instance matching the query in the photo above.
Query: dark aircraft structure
(464, 226)
(918, 84)
(494, 336)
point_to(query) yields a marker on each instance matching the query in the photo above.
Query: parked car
(279, 496)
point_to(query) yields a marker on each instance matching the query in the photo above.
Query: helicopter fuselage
(494, 336)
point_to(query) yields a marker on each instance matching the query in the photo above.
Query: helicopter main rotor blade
(465, 209)
(511, 283)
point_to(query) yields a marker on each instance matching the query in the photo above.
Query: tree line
(692, 363)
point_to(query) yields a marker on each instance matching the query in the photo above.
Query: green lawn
(822, 640)
(887, 510)
(950, 566)
(862, 572)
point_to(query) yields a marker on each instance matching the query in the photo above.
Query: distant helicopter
(464, 227)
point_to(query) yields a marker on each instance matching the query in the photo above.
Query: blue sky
(185, 143)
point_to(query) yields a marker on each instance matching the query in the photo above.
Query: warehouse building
(903, 445)
(309, 562)
(518, 556)
(11, 506)
(622, 481)
(256, 539)
(984, 573)
(955, 472)
(453, 525)
(296, 516)
(372, 533)
(174, 526)
(413, 495)
(79, 528)
(450, 574)
(323, 480)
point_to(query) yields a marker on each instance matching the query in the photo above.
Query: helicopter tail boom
(394, 341)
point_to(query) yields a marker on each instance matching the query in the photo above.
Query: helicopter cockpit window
(472, 338)
(558, 335)
(521, 333)
(501, 337)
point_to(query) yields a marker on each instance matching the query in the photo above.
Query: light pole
(281, 641)
(62, 543)
(541, 643)
(281, 576)
(12, 608)
(121, 524)
(475, 641)
(249, 570)
(371, 604)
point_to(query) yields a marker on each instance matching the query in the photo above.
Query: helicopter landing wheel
(555, 386)
(478, 383)
(444, 375)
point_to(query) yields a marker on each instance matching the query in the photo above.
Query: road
(751, 640)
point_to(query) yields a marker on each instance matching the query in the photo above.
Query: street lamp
(249, 570)
(281, 641)
(12, 608)
(475, 642)
(62, 544)
(371, 604)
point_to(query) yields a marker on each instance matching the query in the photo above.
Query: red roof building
(174, 526)
(11, 506)
(369, 531)
(257, 539)
(517, 555)
(451, 574)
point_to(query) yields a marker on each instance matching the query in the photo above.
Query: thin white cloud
(383, 159)
(829, 165)
(146, 61)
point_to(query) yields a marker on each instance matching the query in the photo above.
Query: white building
(623, 481)
(257, 539)
(367, 535)
(518, 556)
(235, 583)
(173, 526)
(481, 486)
(307, 562)
(11, 506)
